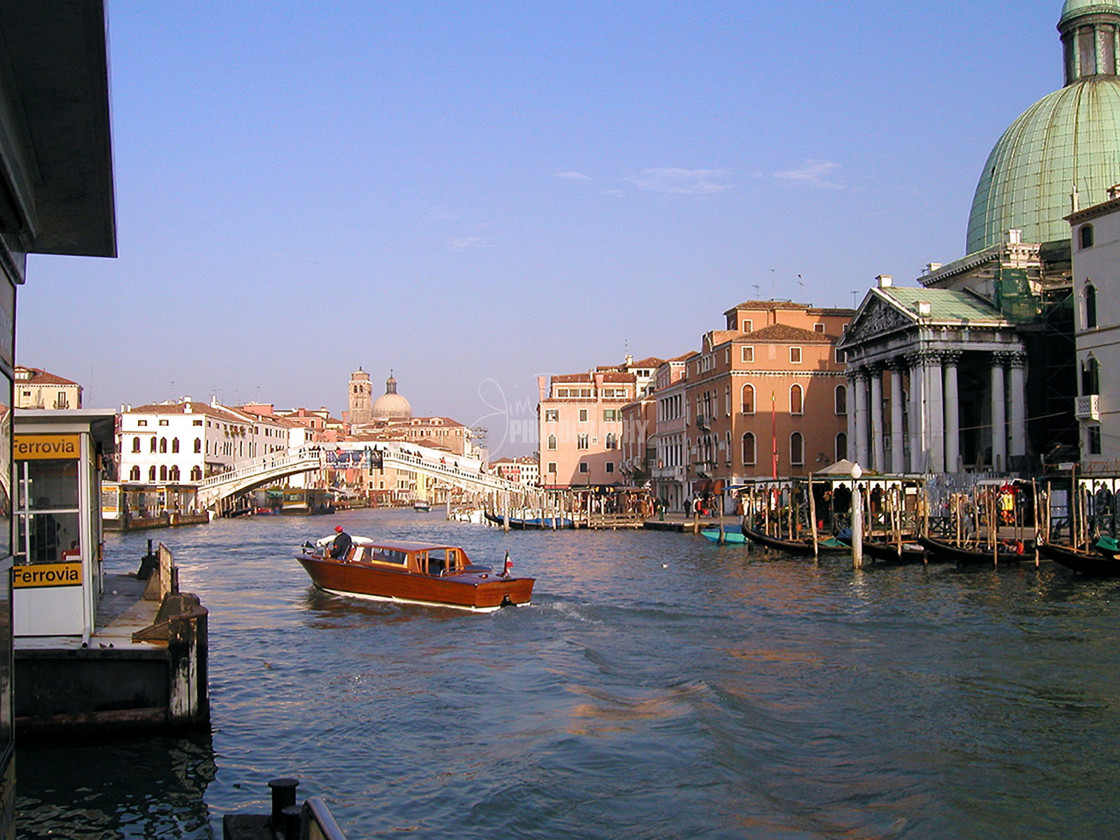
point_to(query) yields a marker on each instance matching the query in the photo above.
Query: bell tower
(361, 398)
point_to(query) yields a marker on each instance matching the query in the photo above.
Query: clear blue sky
(475, 193)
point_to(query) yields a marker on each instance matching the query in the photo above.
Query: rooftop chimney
(884, 281)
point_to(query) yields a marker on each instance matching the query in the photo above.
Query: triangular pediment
(876, 317)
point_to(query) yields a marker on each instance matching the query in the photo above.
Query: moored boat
(941, 550)
(523, 523)
(1091, 563)
(414, 573)
(827, 545)
(882, 551)
(731, 536)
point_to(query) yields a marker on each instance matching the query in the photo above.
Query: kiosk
(56, 576)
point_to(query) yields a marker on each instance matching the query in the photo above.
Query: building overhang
(56, 178)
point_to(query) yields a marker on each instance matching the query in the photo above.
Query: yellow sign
(43, 447)
(47, 574)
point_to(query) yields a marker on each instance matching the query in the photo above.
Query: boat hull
(967, 556)
(884, 552)
(522, 524)
(729, 537)
(799, 547)
(476, 591)
(1084, 562)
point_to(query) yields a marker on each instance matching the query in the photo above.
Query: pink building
(580, 423)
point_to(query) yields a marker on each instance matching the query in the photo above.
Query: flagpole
(773, 436)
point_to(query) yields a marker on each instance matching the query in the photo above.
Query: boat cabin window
(442, 561)
(377, 554)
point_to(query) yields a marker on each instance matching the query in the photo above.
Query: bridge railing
(261, 465)
(451, 471)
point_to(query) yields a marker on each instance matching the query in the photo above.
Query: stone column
(898, 442)
(917, 417)
(935, 412)
(1018, 405)
(999, 413)
(877, 455)
(859, 442)
(950, 361)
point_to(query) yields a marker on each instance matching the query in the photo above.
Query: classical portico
(938, 383)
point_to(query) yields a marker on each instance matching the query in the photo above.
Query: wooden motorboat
(522, 523)
(941, 550)
(828, 545)
(421, 507)
(882, 551)
(414, 573)
(1091, 563)
(731, 536)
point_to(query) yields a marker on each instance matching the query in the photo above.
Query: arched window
(174, 474)
(796, 449)
(153, 446)
(796, 400)
(163, 472)
(134, 474)
(1090, 377)
(1090, 306)
(175, 445)
(841, 446)
(748, 399)
(748, 449)
(136, 444)
(198, 445)
(1085, 236)
(196, 473)
(152, 469)
(163, 445)
(842, 400)
(611, 441)
(552, 441)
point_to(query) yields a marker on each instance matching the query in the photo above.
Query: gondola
(940, 550)
(828, 545)
(882, 551)
(1091, 563)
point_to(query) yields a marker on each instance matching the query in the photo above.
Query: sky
(475, 194)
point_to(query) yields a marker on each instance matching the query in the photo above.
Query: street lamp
(857, 518)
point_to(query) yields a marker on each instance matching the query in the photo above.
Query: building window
(611, 415)
(611, 441)
(552, 467)
(748, 399)
(136, 444)
(1090, 306)
(818, 328)
(175, 445)
(842, 400)
(795, 355)
(1085, 236)
(198, 446)
(583, 415)
(796, 400)
(152, 474)
(1090, 377)
(748, 354)
(141, 422)
(163, 422)
(1094, 434)
(747, 325)
(552, 415)
(581, 442)
(748, 450)
(174, 474)
(134, 473)
(610, 466)
(840, 357)
(154, 445)
(583, 467)
(841, 446)
(163, 472)
(196, 473)
(552, 441)
(796, 449)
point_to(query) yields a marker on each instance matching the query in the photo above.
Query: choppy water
(659, 687)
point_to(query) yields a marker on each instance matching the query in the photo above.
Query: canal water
(658, 687)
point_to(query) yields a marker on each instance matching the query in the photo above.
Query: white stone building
(183, 442)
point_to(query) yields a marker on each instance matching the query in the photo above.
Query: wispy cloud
(814, 173)
(468, 243)
(683, 181)
(572, 175)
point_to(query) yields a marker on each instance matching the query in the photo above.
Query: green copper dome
(1067, 142)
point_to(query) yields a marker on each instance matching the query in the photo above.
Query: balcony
(1087, 407)
(704, 422)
